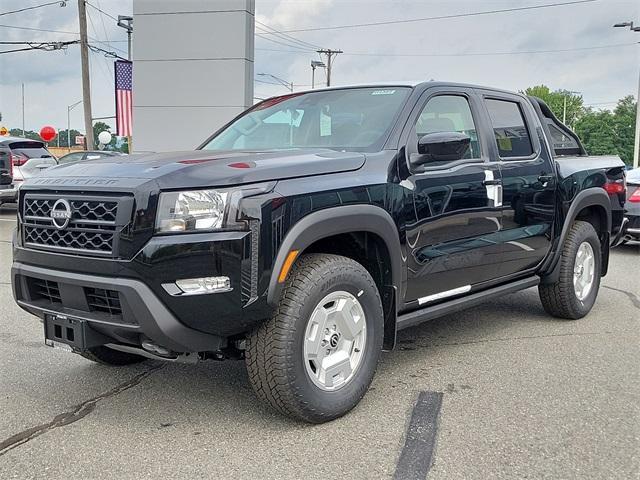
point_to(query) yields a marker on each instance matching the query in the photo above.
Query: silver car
(20, 159)
(632, 206)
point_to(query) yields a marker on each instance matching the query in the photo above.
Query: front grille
(101, 300)
(72, 239)
(91, 230)
(45, 290)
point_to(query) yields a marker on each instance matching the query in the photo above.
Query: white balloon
(104, 137)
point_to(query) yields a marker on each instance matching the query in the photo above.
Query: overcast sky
(446, 49)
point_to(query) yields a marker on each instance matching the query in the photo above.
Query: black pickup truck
(306, 232)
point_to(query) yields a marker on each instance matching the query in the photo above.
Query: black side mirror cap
(441, 147)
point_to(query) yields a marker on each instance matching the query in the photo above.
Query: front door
(529, 182)
(456, 203)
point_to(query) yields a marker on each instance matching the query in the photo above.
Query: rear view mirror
(441, 147)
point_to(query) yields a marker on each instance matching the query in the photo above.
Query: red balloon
(48, 133)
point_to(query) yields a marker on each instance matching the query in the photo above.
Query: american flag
(124, 102)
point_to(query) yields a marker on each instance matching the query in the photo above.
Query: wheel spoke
(348, 317)
(315, 335)
(336, 369)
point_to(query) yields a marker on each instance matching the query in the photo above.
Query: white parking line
(7, 219)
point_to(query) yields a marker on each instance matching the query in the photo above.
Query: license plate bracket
(61, 330)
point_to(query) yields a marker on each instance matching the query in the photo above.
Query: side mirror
(441, 147)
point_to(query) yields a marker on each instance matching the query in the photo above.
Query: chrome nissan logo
(61, 214)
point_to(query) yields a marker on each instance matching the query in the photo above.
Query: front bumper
(143, 314)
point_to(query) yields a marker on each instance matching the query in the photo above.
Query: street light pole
(282, 82)
(314, 64)
(564, 111)
(69, 108)
(126, 22)
(636, 139)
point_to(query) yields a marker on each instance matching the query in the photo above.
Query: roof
(403, 83)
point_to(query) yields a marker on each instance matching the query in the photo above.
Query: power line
(469, 54)
(38, 29)
(102, 11)
(46, 46)
(300, 49)
(106, 52)
(62, 3)
(279, 34)
(441, 17)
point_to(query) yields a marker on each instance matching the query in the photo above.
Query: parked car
(633, 204)
(86, 155)
(306, 232)
(21, 158)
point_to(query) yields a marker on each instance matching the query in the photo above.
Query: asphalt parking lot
(523, 396)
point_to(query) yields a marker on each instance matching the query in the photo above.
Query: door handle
(545, 179)
(492, 182)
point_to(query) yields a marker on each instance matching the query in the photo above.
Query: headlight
(191, 211)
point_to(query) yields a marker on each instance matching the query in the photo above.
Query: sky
(510, 50)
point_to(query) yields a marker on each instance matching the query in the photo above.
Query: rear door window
(510, 129)
(30, 149)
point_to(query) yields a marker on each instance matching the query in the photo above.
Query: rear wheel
(114, 358)
(572, 296)
(316, 357)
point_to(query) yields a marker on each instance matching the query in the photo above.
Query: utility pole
(330, 54)
(23, 110)
(636, 140)
(86, 84)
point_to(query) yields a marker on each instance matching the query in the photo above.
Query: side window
(449, 113)
(509, 128)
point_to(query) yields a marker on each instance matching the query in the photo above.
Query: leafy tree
(597, 132)
(63, 137)
(556, 101)
(101, 127)
(610, 133)
(17, 132)
(625, 125)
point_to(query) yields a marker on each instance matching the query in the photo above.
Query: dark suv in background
(20, 159)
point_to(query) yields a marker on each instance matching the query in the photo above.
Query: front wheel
(572, 296)
(316, 357)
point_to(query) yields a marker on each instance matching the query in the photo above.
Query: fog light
(199, 286)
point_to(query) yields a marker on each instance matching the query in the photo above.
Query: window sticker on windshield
(383, 92)
(325, 125)
(504, 144)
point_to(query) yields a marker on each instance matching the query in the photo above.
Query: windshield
(356, 118)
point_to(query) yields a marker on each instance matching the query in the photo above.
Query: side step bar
(429, 313)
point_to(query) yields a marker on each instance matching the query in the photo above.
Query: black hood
(198, 169)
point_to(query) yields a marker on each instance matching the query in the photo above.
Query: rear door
(30, 158)
(528, 180)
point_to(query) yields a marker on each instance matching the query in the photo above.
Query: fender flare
(334, 221)
(590, 197)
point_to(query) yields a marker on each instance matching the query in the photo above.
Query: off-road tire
(113, 358)
(274, 351)
(559, 298)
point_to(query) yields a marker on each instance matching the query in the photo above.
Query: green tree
(556, 101)
(101, 127)
(624, 126)
(63, 137)
(17, 132)
(597, 132)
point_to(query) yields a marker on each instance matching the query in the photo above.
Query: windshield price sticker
(383, 92)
